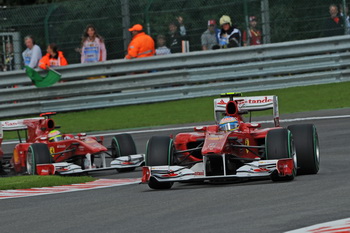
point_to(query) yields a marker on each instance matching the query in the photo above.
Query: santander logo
(250, 100)
(258, 100)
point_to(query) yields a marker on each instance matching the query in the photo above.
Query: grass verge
(296, 99)
(25, 182)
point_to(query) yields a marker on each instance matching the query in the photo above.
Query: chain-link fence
(63, 23)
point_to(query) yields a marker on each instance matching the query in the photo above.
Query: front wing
(256, 169)
(65, 168)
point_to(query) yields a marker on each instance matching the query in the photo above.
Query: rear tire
(280, 145)
(123, 145)
(307, 148)
(159, 152)
(38, 153)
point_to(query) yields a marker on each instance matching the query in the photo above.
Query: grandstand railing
(180, 76)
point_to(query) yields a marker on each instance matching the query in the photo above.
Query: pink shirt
(93, 51)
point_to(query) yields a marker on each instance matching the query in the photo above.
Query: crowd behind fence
(63, 22)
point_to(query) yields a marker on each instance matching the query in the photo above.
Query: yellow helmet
(55, 136)
(225, 19)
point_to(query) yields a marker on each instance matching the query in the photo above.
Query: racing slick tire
(38, 153)
(123, 145)
(307, 148)
(159, 152)
(279, 145)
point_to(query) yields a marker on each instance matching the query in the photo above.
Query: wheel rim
(30, 161)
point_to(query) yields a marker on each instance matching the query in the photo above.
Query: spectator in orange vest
(53, 58)
(141, 45)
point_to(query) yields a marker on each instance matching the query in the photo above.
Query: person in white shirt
(161, 46)
(32, 55)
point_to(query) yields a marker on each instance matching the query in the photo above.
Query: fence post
(246, 19)
(346, 29)
(126, 23)
(148, 25)
(46, 23)
(265, 16)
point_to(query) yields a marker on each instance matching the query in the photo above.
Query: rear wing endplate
(248, 104)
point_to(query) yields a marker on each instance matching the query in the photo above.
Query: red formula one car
(46, 151)
(233, 148)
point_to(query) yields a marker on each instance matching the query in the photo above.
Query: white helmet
(225, 19)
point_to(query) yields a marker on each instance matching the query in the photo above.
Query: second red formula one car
(45, 150)
(233, 148)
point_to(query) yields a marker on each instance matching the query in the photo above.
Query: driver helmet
(55, 136)
(229, 123)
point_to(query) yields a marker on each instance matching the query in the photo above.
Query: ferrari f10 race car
(233, 148)
(46, 151)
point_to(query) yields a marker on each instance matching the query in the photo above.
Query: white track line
(191, 127)
(340, 226)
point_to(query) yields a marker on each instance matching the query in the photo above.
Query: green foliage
(25, 182)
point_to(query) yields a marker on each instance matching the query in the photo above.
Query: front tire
(159, 152)
(307, 148)
(280, 145)
(38, 153)
(123, 145)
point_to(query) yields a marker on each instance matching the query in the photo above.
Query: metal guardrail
(180, 76)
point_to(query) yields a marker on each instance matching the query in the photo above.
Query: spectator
(32, 54)
(210, 38)
(141, 45)
(8, 63)
(254, 35)
(176, 37)
(334, 25)
(161, 46)
(93, 46)
(229, 36)
(53, 58)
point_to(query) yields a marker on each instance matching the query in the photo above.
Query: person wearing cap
(229, 36)
(141, 45)
(209, 38)
(254, 35)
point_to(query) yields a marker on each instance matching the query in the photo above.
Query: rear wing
(13, 125)
(248, 104)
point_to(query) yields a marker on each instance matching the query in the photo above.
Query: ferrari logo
(52, 150)
(246, 142)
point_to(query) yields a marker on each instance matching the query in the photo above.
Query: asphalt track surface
(254, 206)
